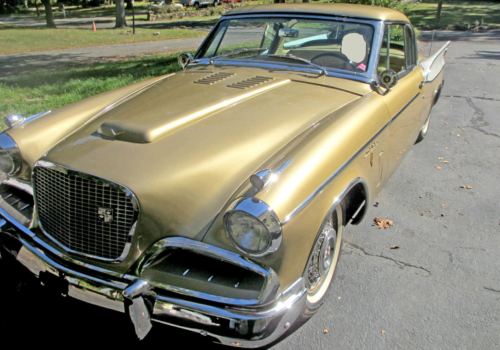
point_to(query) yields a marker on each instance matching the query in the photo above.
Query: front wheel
(322, 262)
(216, 3)
(196, 6)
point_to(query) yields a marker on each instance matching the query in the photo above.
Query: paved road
(11, 65)
(439, 290)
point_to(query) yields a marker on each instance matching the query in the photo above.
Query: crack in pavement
(476, 97)
(492, 290)
(399, 263)
(478, 116)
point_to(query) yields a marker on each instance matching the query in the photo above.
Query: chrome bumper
(242, 327)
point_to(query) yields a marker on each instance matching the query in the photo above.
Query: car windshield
(324, 43)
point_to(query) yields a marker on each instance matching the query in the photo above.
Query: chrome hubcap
(321, 259)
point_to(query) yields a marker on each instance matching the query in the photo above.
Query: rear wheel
(196, 6)
(322, 262)
(216, 3)
(423, 131)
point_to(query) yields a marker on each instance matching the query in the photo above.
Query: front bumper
(234, 326)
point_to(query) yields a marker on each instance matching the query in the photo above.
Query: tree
(438, 14)
(121, 22)
(49, 16)
(130, 4)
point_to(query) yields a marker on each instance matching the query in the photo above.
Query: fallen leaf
(451, 132)
(443, 205)
(376, 204)
(465, 186)
(446, 148)
(395, 247)
(383, 332)
(385, 223)
(446, 123)
(340, 298)
(438, 167)
(440, 158)
(445, 161)
(421, 197)
(442, 214)
(325, 331)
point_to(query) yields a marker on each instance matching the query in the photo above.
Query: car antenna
(432, 40)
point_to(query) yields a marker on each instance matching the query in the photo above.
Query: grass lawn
(38, 92)
(31, 39)
(424, 15)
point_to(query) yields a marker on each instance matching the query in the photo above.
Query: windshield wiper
(237, 53)
(295, 58)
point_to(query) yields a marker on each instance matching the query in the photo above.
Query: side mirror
(184, 59)
(388, 78)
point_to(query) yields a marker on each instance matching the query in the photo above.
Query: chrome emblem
(105, 214)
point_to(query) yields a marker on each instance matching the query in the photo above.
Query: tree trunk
(305, 1)
(37, 10)
(130, 4)
(121, 22)
(438, 14)
(48, 14)
(25, 2)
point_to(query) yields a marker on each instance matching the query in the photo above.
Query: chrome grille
(68, 205)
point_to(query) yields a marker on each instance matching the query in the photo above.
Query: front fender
(35, 137)
(320, 166)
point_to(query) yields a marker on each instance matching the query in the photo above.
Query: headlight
(253, 227)
(10, 156)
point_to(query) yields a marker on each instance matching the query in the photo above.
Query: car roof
(343, 10)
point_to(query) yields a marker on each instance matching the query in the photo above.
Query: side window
(396, 49)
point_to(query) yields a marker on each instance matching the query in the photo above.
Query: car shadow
(33, 315)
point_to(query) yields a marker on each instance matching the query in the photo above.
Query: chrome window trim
(270, 290)
(66, 170)
(366, 77)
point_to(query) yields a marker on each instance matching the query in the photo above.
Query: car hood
(186, 144)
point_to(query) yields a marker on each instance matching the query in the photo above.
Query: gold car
(214, 199)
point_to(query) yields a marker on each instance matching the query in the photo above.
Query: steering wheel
(349, 63)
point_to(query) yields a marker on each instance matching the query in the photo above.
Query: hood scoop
(148, 118)
(248, 83)
(214, 78)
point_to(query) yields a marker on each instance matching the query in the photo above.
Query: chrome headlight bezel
(9, 146)
(265, 215)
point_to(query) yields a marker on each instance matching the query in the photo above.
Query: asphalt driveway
(439, 290)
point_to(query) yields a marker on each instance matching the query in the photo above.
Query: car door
(404, 101)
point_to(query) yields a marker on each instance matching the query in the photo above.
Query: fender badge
(370, 149)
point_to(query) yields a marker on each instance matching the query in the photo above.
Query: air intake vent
(214, 78)
(248, 83)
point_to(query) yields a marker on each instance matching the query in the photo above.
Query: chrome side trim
(128, 192)
(22, 185)
(320, 189)
(270, 291)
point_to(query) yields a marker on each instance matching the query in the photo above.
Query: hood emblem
(105, 214)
